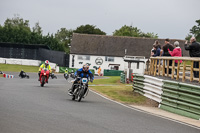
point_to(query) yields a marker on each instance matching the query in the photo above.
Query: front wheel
(73, 97)
(80, 95)
(43, 81)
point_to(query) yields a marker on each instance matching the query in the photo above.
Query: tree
(16, 30)
(37, 29)
(36, 34)
(64, 36)
(127, 31)
(195, 31)
(133, 32)
(89, 29)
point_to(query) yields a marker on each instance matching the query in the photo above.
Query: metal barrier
(179, 98)
(145, 86)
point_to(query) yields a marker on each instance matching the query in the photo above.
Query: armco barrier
(148, 86)
(179, 98)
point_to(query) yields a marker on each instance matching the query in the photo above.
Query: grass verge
(18, 68)
(118, 92)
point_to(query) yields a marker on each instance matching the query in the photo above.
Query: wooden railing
(185, 69)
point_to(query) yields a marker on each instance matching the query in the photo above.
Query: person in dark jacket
(83, 73)
(194, 51)
(164, 52)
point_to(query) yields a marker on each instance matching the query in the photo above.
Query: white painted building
(108, 52)
(105, 62)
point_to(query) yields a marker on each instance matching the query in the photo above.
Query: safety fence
(176, 97)
(172, 67)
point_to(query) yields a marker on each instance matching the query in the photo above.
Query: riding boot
(71, 90)
(39, 76)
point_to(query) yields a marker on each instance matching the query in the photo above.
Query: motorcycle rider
(66, 71)
(43, 66)
(66, 74)
(22, 74)
(83, 73)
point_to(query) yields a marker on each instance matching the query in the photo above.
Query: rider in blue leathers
(83, 73)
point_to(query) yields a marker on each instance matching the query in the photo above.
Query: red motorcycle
(44, 76)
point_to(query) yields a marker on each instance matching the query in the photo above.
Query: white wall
(26, 62)
(105, 64)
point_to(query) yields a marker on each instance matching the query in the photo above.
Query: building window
(109, 59)
(83, 57)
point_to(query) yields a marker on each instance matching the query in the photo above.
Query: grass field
(18, 68)
(119, 92)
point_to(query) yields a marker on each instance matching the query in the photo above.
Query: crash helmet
(46, 62)
(85, 68)
(66, 69)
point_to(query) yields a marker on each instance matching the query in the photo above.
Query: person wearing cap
(176, 52)
(194, 51)
(83, 72)
(43, 66)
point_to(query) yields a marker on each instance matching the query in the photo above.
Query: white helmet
(46, 62)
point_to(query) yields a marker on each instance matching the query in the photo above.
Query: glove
(91, 80)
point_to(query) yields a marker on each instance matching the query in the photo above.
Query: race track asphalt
(25, 107)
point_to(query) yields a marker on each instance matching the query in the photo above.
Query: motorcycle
(53, 76)
(80, 88)
(23, 75)
(44, 76)
(66, 76)
(72, 75)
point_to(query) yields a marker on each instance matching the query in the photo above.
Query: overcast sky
(168, 18)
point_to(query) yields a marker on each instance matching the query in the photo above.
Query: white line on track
(139, 110)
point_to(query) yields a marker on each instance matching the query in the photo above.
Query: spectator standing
(164, 52)
(157, 49)
(194, 51)
(99, 71)
(153, 51)
(176, 52)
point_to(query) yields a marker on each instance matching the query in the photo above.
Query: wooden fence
(159, 66)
